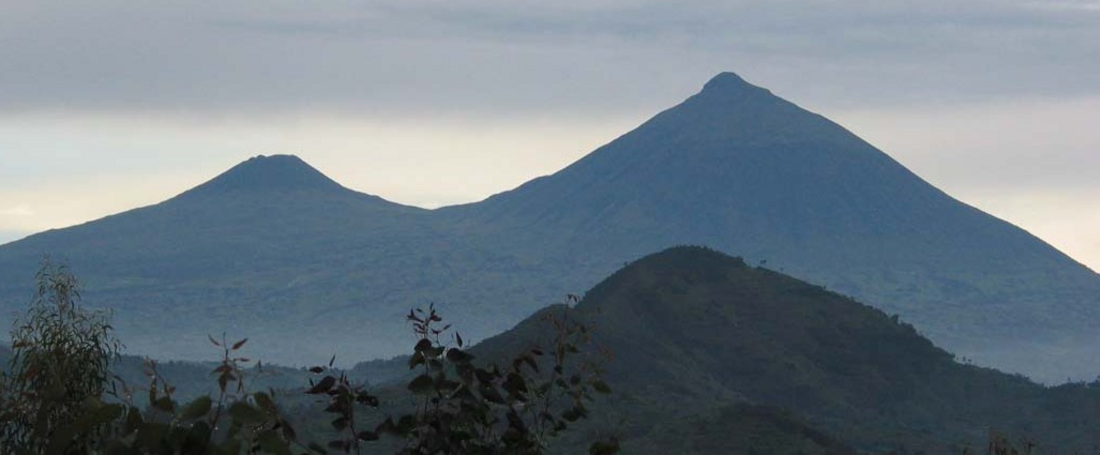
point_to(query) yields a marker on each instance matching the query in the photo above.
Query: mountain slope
(692, 330)
(252, 252)
(741, 170)
(275, 251)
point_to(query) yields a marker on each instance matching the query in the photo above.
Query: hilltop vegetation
(694, 331)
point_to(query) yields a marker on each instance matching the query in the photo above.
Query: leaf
(387, 427)
(134, 420)
(422, 385)
(423, 345)
(238, 344)
(463, 393)
(165, 404)
(515, 385)
(200, 431)
(406, 424)
(61, 440)
(96, 413)
(244, 413)
(491, 394)
(367, 436)
(340, 423)
(367, 399)
(601, 386)
(150, 434)
(196, 409)
(530, 360)
(288, 431)
(231, 446)
(270, 442)
(322, 387)
(265, 402)
(610, 447)
(574, 413)
(455, 355)
(317, 370)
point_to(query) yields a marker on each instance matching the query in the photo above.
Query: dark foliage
(59, 363)
(56, 400)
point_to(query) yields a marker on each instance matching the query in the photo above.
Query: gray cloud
(501, 57)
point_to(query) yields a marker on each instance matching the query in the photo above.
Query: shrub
(61, 398)
(60, 358)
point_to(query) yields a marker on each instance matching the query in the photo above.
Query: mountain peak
(727, 83)
(275, 173)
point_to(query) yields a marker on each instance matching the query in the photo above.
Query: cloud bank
(411, 58)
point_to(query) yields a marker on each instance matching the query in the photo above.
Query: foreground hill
(275, 251)
(693, 331)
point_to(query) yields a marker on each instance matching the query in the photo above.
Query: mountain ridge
(733, 167)
(742, 170)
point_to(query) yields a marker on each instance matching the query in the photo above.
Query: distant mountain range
(276, 251)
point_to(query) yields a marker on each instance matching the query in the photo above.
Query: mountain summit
(692, 330)
(728, 85)
(733, 167)
(276, 173)
(740, 169)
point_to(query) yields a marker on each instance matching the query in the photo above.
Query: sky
(111, 105)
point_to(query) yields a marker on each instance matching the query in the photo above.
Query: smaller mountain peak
(727, 84)
(277, 165)
(689, 257)
(275, 173)
(725, 78)
(278, 158)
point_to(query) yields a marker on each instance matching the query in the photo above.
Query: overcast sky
(115, 104)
